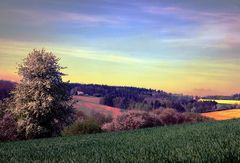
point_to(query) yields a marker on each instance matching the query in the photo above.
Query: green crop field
(201, 142)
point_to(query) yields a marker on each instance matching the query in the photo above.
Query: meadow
(230, 102)
(200, 142)
(90, 104)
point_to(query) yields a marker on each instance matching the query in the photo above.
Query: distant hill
(5, 88)
(103, 90)
(147, 99)
(134, 98)
(89, 104)
(233, 97)
(140, 98)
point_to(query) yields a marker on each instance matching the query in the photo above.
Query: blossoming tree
(40, 101)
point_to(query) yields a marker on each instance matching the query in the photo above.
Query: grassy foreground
(202, 142)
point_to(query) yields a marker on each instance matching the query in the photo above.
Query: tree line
(128, 98)
(232, 97)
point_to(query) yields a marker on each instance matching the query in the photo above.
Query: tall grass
(200, 142)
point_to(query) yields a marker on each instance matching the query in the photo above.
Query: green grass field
(201, 142)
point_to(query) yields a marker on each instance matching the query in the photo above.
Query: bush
(8, 128)
(135, 119)
(88, 126)
(194, 117)
(80, 116)
(108, 127)
(101, 118)
(170, 116)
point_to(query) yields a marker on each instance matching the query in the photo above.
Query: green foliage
(199, 142)
(88, 126)
(101, 118)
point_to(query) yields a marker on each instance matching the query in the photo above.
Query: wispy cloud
(98, 56)
(216, 29)
(12, 47)
(162, 10)
(190, 13)
(46, 17)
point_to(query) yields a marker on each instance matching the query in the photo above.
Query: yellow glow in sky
(87, 66)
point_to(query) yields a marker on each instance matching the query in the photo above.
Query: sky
(189, 47)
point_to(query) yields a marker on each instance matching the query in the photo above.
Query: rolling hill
(87, 104)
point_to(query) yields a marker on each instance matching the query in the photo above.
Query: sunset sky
(190, 47)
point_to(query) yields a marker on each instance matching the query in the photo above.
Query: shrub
(130, 120)
(8, 127)
(101, 118)
(170, 116)
(80, 116)
(88, 126)
(194, 117)
(108, 127)
(140, 119)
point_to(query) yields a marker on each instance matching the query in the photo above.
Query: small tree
(40, 101)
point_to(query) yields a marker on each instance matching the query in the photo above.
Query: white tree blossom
(41, 102)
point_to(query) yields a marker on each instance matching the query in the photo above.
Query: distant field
(200, 142)
(223, 115)
(231, 102)
(91, 99)
(89, 104)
